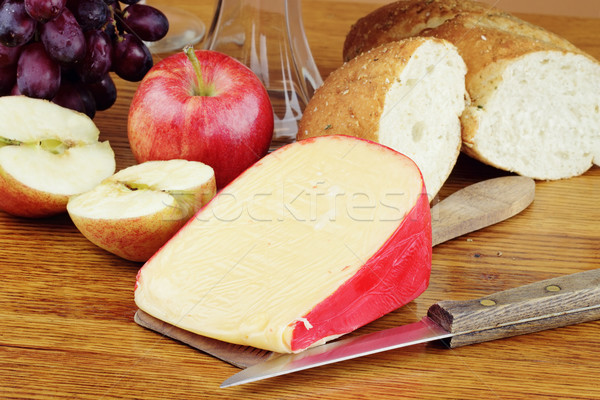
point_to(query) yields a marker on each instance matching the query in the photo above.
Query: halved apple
(135, 211)
(47, 154)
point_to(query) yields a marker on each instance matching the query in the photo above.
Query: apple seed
(8, 142)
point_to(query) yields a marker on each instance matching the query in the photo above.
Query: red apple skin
(134, 239)
(229, 131)
(23, 201)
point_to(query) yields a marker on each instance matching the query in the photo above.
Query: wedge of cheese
(312, 242)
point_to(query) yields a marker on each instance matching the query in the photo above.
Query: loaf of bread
(407, 95)
(535, 97)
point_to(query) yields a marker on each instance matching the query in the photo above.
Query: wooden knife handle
(479, 205)
(548, 304)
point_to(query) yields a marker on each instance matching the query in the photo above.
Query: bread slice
(406, 95)
(535, 97)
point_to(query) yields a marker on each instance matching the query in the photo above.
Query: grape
(37, 74)
(68, 96)
(104, 92)
(145, 22)
(44, 10)
(130, 1)
(8, 75)
(63, 38)
(15, 90)
(88, 100)
(97, 60)
(8, 55)
(83, 98)
(16, 26)
(76, 97)
(131, 58)
(91, 14)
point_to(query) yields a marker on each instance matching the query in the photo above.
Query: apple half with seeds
(47, 154)
(138, 209)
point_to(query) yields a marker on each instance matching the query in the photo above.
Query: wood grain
(67, 313)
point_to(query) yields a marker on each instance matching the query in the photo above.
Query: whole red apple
(201, 106)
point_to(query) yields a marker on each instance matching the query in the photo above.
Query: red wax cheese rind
(397, 274)
(317, 239)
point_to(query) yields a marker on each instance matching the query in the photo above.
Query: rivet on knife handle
(552, 303)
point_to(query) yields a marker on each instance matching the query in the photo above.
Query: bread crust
(450, 20)
(404, 19)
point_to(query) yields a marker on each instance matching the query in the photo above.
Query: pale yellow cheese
(279, 240)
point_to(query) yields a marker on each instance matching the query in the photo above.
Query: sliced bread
(535, 97)
(406, 95)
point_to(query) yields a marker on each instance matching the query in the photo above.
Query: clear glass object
(268, 36)
(184, 29)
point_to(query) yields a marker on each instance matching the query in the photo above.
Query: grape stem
(201, 89)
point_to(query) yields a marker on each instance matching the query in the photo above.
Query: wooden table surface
(66, 306)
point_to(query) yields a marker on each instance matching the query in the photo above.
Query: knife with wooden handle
(547, 304)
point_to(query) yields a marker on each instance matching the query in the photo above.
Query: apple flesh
(135, 211)
(201, 106)
(47, 154)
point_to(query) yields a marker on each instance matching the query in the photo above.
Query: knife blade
(538, 306)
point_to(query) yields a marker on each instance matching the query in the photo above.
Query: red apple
(201, 106)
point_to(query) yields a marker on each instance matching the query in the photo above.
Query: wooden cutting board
(467, 210)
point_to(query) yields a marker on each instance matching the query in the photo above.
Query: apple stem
(201, 89)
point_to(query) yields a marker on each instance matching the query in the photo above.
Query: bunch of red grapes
(64, 50)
